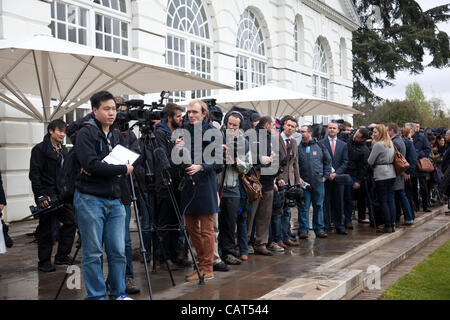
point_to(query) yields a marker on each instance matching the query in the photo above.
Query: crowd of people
(346, 169)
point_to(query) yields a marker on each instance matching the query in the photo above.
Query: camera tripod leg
(141, 240)
(201, 280)
(71, 263)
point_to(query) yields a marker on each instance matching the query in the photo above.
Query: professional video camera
(53, 204)
(143, 113)
(294, 196)
(215, 114)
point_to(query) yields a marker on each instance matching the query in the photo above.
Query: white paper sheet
(121, 155)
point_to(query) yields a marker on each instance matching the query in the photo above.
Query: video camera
(53, 205)
(143, 113)
(295, 196)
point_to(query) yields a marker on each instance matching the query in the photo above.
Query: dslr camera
(53, 204)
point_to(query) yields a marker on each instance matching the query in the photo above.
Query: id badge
(308, 149)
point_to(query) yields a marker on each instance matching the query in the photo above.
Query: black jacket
(91, 148)
(357, 166)
(2, 192)
(423, 150)
(164, 140)
(46, 169)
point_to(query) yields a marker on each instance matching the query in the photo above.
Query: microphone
(162, 158)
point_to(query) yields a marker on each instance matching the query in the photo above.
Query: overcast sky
(434, 82)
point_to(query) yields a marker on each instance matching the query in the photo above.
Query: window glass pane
(124, 30)
(107, 25)
(125, 47)
(82, 36)
(72, 14)
(106, 3)
(61, 11)
(123, 6)
(107, 43)
(116, 27)
(99, 41)
(52, 9)
(52, 27)
(62, 31)
(116, 45)
(72, 34)
(82, 18)
(97, 1)
(98, 22)
(188, 16)
(114, 4)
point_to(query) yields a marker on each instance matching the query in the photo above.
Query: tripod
(149, 139)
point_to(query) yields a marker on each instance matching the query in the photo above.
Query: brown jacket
(291, 173)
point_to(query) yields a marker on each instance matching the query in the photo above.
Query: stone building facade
(302, 45)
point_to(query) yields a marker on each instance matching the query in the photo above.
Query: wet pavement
(20, 279)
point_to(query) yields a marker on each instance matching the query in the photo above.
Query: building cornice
(334, 15)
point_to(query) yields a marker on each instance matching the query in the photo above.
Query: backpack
(71, 169)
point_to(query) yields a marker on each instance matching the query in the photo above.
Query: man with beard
(165, 214)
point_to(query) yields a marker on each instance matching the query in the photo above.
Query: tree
(414, 93)
(398, 42)
(397, 111)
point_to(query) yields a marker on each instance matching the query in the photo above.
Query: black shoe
(427, 210)
(67, 260)
(303, 235)
(384, 230)
(341, 231)
(221, 266)
(47, 267)
(349, 226)
(131, 287)
(322, 235)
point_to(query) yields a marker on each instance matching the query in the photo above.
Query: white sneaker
(275, 247)
(251, 250)
(124, 297)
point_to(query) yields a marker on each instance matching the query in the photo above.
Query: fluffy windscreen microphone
(161, 157)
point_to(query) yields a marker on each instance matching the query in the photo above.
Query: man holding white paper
(101, 215)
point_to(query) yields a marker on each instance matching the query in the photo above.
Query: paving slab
(253, 279)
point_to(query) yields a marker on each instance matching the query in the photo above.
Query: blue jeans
(101, 220)
(402, 203)
(275, 228)
(241, 223)
(316, 196)
(128, 247)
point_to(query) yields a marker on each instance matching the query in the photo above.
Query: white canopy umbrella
(70, 73)
(277, 102)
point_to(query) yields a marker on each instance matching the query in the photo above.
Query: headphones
(236, 114)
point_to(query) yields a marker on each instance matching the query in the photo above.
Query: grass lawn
(429, 280)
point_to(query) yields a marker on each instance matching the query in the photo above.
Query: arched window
(320, 75)
(342, 58)
(250, 61)
(188, 42)
(298, 39)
